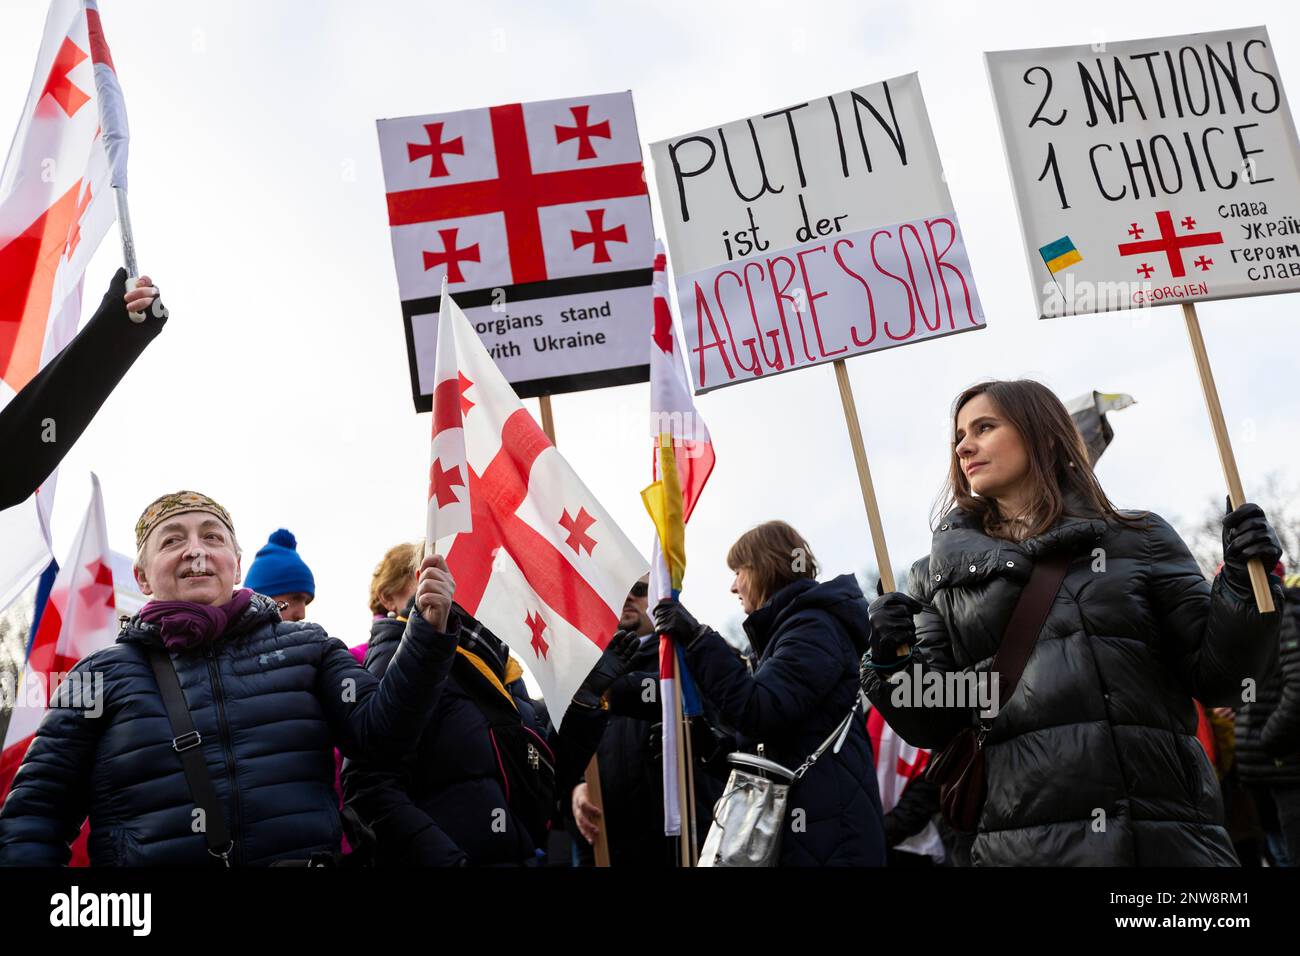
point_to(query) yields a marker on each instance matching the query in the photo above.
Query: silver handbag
(749, 818)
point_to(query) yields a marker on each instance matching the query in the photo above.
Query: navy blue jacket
(271, 700)
(807, 639)
(445, 803)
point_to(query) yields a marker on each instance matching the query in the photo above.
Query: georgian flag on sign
(537, 216)
(535, 556)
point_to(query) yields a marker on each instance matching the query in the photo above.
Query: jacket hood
(841, 597)
(260, 610)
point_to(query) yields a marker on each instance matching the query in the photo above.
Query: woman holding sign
(803, 692)
(1087, 631)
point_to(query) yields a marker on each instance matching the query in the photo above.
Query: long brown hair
(775, 555)
(1058, 461)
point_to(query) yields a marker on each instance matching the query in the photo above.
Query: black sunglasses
(640, 589)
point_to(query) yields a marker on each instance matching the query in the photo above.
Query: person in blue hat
(280, 574)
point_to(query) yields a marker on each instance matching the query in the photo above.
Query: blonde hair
(775, 555)
(393, 573)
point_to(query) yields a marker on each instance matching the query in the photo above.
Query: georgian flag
(535, 556)
(80, 617)
(898, 763)
(55, 208)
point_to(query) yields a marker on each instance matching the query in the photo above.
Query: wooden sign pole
(1236, 495)
(864, 476)
(592, 775)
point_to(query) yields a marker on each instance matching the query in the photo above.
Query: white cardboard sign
(812, 233)
(1151, 171)
(538, 216)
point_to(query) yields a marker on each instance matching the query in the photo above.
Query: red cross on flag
(538, 217)
(56, 205)
(79, 618)
(535, 556)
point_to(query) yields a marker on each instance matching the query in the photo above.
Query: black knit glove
(1246, 535)
(892, 627)
(613, 664)
(677, 622)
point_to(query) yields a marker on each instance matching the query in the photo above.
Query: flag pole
(690, 791)
(864, 476)
(591, 776)
(686, 840)
(128, 242)
(1236, 494)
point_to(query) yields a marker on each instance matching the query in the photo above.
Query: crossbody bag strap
(1027, 622)
(837, 738)
(186, 743)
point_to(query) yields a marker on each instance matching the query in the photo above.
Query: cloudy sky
(280, 385)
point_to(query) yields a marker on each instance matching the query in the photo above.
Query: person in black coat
(1268, 737)
(1093, 760)
(481, 786)
(630, 758)
(269, 700)
(70, 389)
(807, 636)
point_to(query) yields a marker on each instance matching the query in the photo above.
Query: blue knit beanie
(277, 569)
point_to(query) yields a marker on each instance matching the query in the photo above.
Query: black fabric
(1268, 729)
(445, 802)
(271, 699)
(1103, 719)
(630, 756)
(808, 638)
(68, 391)
(913, 812)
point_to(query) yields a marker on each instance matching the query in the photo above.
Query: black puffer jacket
(271, 701)
(1268, 730)
(446, 802)
(808, 637)
(1094, 759)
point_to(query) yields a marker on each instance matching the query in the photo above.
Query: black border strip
(546, 289)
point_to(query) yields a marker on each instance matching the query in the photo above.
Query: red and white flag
(535, 556)
(898, 763)
(55, 208)
(79, 618)
(679, 432)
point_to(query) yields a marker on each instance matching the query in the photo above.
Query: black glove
(613, 664)
(677, 622)
(892, 626)
(114, 302)
(1246, 535)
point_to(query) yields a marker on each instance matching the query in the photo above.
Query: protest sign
(813, 233)
(1151, 171)
(538, 216)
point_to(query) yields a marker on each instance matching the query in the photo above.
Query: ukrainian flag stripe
(1054, 250)
(1062, 262)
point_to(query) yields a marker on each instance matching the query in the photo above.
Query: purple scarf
(185, 625)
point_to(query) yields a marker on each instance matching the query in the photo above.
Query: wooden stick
(548, 420)
(687, 840)
(592, 774)
(690, 792)
(864, 476)
(1236, 495)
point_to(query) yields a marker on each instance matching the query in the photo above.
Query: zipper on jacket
(227, 750)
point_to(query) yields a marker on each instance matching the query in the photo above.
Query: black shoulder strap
(186, 744)
(1027, 621)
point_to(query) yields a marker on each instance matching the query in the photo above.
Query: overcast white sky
(280, 385)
